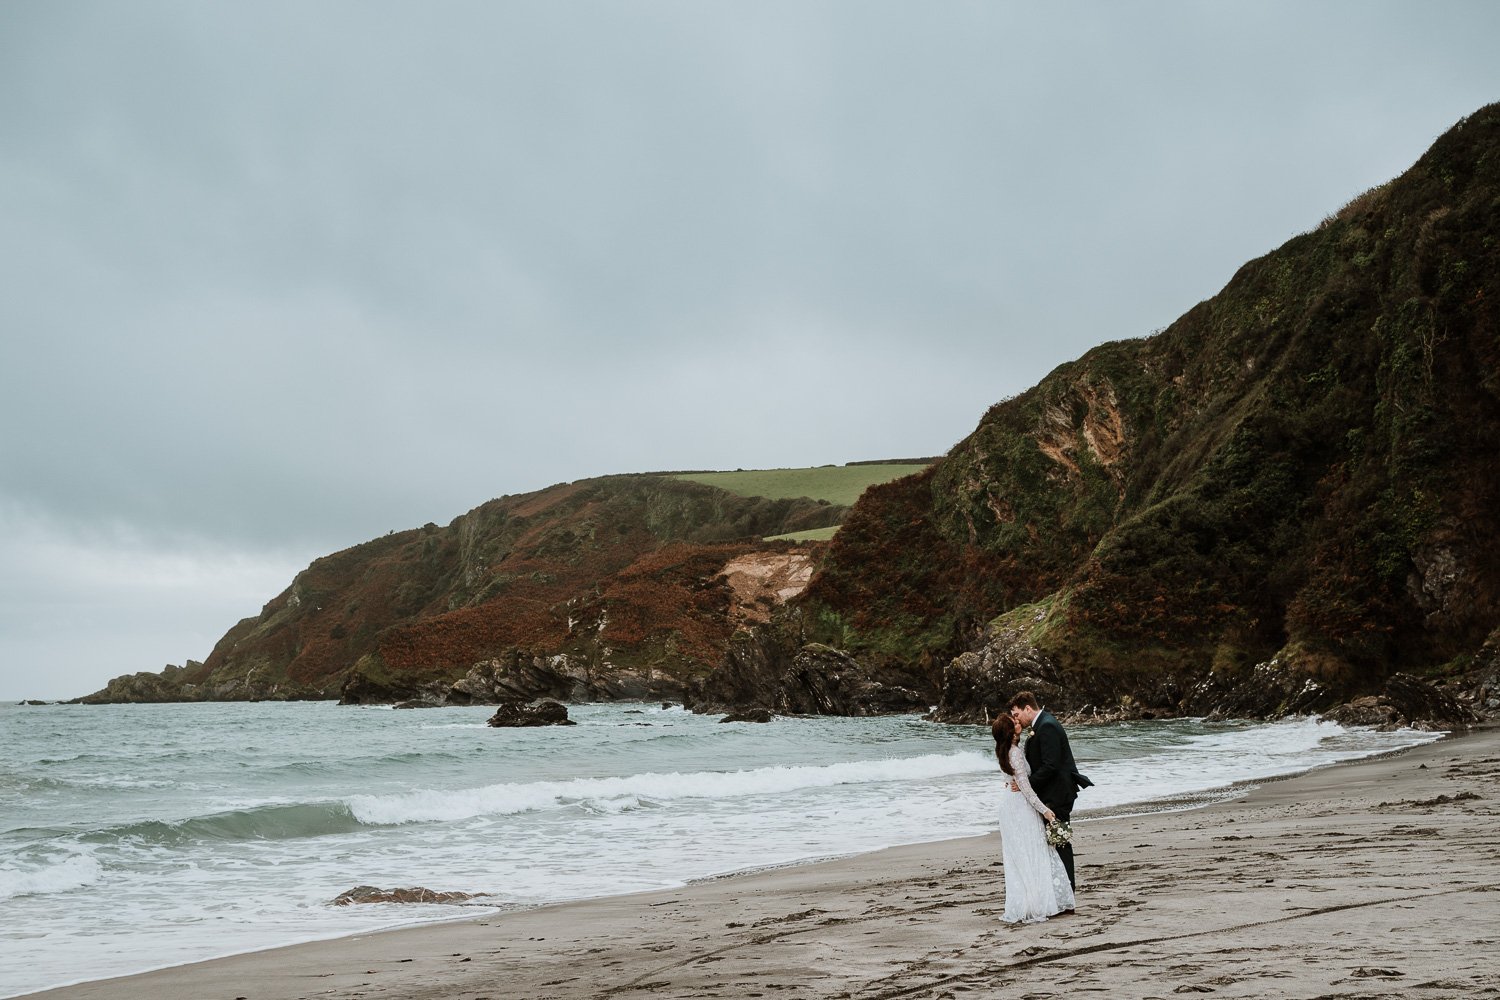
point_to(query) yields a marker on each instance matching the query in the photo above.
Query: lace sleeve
(1023, 779)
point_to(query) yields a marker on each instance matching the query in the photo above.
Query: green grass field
(838, 484)
(810, 535)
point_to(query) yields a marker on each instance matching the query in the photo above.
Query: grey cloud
(282, 276)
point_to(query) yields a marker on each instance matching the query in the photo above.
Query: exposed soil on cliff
(762, 581)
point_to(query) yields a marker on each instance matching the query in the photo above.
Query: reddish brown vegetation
(639, 555)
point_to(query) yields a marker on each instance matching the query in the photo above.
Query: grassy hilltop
(835, 484)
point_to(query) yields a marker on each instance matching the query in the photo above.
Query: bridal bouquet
(1059, 833)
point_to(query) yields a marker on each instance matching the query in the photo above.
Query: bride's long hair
(1004, 731)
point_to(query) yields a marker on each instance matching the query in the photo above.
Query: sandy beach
(1379, 878)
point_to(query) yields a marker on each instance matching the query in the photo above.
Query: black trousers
(1065, 851)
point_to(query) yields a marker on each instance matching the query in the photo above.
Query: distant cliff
(1279, 501)
(624, 586)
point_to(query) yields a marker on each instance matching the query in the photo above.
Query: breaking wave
(74, 872)
(272, 822)
(606, 795)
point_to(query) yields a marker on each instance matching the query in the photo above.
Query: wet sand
(1379, 878)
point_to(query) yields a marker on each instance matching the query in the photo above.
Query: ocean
(134, 837)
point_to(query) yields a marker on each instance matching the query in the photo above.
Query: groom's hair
(1024, 699)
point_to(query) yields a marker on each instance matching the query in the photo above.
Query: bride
(1036, 884)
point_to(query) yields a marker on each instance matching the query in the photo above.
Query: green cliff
(1298, 481)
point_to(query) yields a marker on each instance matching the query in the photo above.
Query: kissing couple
(1042, 784)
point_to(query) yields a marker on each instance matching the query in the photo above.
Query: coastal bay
(1371, 878)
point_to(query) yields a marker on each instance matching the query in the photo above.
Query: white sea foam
(599, 793)
(74, 872)
(1219, 760)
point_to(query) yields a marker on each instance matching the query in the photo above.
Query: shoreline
(1174, 891)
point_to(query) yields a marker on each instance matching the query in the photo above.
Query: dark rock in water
(417, 703)
(1406, 701)
(669, 704)
(33, 701)
(752, 715)
(415, 894)
(544, 712)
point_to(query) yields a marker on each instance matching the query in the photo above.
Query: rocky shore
(1008, 661)
(762, 673)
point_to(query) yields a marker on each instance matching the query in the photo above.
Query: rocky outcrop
(979, 684)
(521, 714)
(1269, 690)
(1479, 689)
(822, 680)
(815, 679)
(985, 679)
(1406, 701)
(172, 685)
(414, 894)
(518, 675)
(747, 677)
(371, 687)
(137, 689)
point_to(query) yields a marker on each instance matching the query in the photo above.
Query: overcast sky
(279, 277)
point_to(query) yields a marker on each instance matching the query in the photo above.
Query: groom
(1054, 776)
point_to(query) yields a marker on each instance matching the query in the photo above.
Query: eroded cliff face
(761, 582)
(1294, 489)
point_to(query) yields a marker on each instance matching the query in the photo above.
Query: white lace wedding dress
(1036, 884)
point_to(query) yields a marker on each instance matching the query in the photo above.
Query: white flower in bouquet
(1059, 833)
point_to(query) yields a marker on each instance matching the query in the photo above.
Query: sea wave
(267, 822)
(1163, 765)
(603, 795)
(73, 872)
(313, 767)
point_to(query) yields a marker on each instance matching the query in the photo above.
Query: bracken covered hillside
(1298, 480)
(602, 588)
